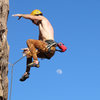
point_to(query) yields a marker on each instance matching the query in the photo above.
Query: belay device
(62, 47)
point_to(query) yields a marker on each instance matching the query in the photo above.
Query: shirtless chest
(46, 31)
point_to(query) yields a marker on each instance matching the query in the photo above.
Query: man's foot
(34, 64)
(24, 77)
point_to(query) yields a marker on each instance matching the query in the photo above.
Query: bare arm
(28, 16)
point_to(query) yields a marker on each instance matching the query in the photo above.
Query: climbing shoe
(33, 64)
(24, 77)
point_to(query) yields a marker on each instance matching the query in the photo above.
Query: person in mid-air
(38, 48)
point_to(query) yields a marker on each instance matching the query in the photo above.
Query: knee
(28, 41)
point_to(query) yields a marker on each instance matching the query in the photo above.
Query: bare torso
(46, 30)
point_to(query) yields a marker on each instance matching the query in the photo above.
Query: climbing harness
(51, 43)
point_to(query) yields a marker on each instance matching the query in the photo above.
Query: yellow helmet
(36, 12)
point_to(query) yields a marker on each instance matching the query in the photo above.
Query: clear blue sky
(77, 24)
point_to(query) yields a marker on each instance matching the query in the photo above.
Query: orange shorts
(38, 49)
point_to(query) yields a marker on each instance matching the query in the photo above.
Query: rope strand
(12, 65)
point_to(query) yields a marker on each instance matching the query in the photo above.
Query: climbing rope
(12, 65)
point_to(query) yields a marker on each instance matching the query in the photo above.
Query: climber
(41, 48)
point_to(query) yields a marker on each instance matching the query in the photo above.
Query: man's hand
(19, 15)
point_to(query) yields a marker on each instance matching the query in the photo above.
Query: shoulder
(39, 17)
(44, 18)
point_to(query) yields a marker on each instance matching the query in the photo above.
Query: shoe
(24, 77)
(33, 64)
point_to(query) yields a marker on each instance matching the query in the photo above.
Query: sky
(72, 75)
